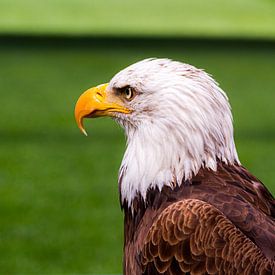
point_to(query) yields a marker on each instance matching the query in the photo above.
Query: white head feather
(180, 123)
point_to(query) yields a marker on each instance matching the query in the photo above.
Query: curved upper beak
(96, 102)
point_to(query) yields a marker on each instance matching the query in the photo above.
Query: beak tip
(79, 122)
(84, 132)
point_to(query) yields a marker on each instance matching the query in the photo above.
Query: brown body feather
(217, 223)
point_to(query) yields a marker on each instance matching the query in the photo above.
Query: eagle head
(176, 119)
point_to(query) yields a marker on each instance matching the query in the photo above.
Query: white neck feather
(190, 127)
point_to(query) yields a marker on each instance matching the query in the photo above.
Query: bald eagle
(190, 207)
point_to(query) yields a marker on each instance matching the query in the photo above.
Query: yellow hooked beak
(96, 102)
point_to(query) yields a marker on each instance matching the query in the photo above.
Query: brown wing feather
(244, 200)
(231, 190)
(193, 236)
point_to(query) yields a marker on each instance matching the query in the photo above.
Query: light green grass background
(217, 18)
(58, 189)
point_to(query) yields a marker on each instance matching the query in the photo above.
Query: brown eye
(128, 93)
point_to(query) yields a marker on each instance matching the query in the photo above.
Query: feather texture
(206, 242)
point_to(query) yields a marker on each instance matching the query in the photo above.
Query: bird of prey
(189, 205)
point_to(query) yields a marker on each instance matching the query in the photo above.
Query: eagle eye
(128, 93)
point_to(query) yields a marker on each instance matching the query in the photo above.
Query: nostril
(99, 96)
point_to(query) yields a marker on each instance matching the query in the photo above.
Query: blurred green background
(58, 189)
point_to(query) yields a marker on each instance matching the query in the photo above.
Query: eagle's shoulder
(194, 236)
(238, 182)
(243, 199)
